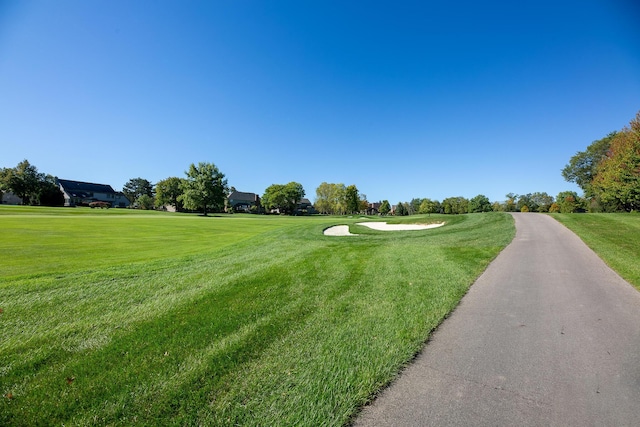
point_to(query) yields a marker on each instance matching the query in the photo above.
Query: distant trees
(480, 203)
(337, 199)
(169, 192)
(33, 187)
(455, 205)
(330, 198)
(283, 197)
(567, 202)
(541, 201)
(136, 188)
(352, 199)
(401, 209)
(204, 189)
(428, 206)
(385, 207)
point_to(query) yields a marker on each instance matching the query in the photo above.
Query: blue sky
(403, 99)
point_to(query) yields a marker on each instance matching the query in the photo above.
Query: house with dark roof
(77, 193)
(305, 207)
(239, 201)
(373, 208)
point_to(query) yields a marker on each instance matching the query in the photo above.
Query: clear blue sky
(403, 99)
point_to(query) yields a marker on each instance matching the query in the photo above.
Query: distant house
(77, 193)
(373, 208)
(305, 207)
(239, 201)
(9, 198)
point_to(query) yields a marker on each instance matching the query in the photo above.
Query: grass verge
(238, 320)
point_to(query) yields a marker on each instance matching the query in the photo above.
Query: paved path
(547, 336)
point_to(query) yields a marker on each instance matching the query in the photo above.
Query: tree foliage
(455, 205)
(352, 199)
(33, 187)
(145, 202)
(169, 192)
(617, 180)
(204, 189)
(428, 206)
(385, 207)
(568, 202)
(582, 167)
(479, 203)
(337, 199)
(542, 201)
(137, 187)
(284, 198)
(330, 198)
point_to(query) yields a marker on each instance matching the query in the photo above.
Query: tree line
(608, 172)
(203, 189)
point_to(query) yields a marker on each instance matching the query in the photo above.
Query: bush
(99, 204)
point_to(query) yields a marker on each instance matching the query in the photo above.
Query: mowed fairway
(121, 317)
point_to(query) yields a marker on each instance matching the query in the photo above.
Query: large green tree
(385, 207)
(401, 210)
(568, 202)
(33, 187)
(352, 199)
(169, 192)
(617, 180)
(582, 167)
(137, 187)
(330, 198)
(204, 189)
(480, 203)
(414, 205)
(23, 181)
(428, 206)
(455, 205)
(283, 197)
(49, 193)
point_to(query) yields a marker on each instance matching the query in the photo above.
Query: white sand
(383, 226)
(338, 230)
(343, 230)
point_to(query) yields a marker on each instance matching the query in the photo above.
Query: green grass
(125, 318)
(615, 237)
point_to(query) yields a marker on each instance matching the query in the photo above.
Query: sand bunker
(338, 230)
(343, 230)
(383, 226)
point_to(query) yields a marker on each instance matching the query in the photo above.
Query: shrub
(99, 204)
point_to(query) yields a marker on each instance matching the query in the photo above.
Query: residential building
(9, 198)
(239, 201)
(77, 193)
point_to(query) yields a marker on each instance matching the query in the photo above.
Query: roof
(84, 187)
(240, 196)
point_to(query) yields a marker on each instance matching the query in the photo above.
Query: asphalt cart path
(547, 336)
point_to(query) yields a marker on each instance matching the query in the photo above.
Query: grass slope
(121, 319)
(615, 237)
